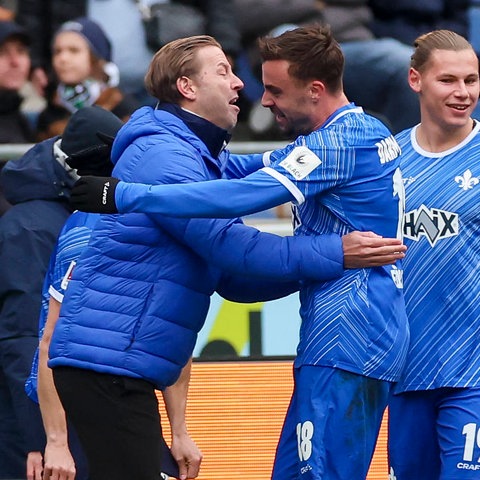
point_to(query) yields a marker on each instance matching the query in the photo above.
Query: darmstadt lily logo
(467, 181)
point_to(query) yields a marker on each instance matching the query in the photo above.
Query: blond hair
(174, 60)
(436, 40)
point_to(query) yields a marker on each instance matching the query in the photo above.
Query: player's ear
(415, 80)
(316, 90)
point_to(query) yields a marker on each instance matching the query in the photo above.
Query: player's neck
(330, 105)
(435, 138)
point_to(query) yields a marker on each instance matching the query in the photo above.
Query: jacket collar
(215, 138)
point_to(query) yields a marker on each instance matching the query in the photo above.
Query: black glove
(92, 161)
(94, 194)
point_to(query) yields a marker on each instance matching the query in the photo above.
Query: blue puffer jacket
(141, 290)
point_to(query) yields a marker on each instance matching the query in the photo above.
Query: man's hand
(187, 455)
(366, 249)
(34, 466)
(94, 194)
(59, 463)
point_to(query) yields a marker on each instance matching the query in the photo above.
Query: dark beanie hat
(92, 32)
(89, 129)
(13, 30)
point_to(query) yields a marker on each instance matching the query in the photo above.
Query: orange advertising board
(235, 414)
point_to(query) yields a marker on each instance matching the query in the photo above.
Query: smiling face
(213, 91)
(14, 64)
(290, 100)
(72, 58)
(448, 87)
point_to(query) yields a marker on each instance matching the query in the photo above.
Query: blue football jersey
(71, 241)
(345, 176)
(442, 281)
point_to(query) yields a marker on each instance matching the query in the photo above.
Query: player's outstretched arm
(366, 249)
(207, 199)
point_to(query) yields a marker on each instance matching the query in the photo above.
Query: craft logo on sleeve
(300, 162)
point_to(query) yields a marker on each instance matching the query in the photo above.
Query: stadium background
(235, 413)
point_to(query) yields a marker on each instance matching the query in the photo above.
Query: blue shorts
(331, 425)
(435, 434)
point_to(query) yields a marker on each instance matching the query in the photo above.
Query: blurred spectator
(405, 20)
(84, 76)
(7, 10)
(375, 68)
(14, 71)
(121, 20)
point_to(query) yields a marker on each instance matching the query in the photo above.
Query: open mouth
(460, 108)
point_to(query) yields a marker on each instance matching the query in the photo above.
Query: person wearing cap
(38, 186)
(84, 75)
(14, 70)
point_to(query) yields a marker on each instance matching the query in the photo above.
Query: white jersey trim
(287, 183)
(341, 114)
(426, 153)
(266, 158)
(55, 294)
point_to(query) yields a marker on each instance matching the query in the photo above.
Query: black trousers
(117, 421)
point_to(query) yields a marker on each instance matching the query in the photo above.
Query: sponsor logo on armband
(300, 162)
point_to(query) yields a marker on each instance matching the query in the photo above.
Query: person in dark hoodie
(38, 187)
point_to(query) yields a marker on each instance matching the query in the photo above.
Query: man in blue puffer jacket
(141, 290)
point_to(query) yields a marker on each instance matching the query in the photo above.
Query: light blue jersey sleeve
(217, 199)
(239, 166)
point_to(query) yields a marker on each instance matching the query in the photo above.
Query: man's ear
(317, 89)
(415, 80)
(186, 88)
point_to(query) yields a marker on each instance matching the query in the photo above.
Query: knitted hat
(92, 32)
(89, 128)
(11, 29)
(87, 140)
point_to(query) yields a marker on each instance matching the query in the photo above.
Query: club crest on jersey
(433, 224)
(467, 180)
(300, 162)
